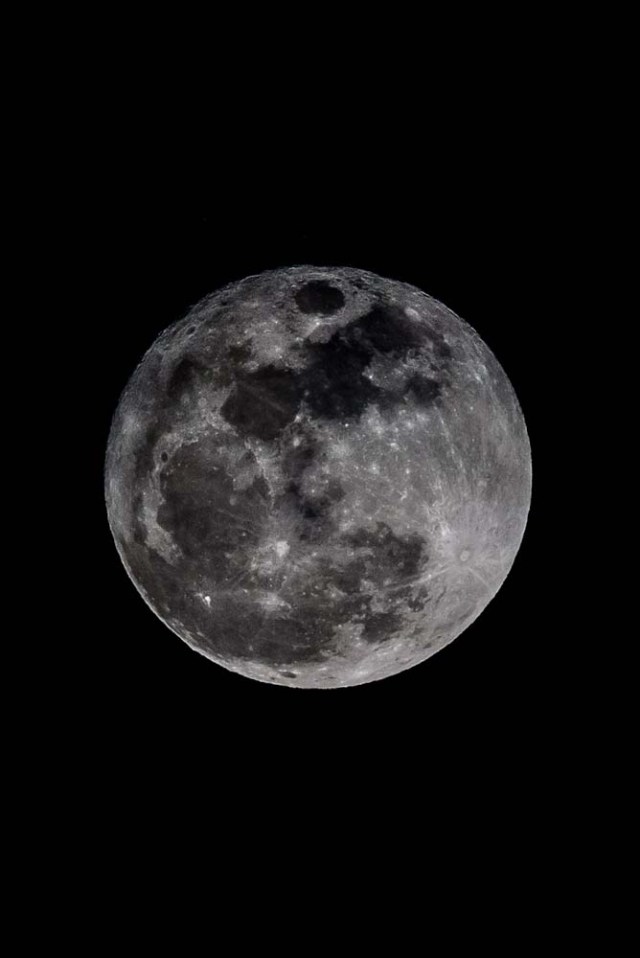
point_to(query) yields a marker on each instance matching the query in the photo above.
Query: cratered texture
(319, 477)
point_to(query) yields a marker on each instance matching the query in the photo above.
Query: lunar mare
(318, 477)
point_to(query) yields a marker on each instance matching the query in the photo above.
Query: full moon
(319, 477)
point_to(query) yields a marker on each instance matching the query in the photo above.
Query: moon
(319, 477)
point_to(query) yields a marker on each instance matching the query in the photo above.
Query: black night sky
(461, 172)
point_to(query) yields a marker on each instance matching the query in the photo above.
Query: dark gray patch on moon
(319, 297)
(318, 477)
(263, 402)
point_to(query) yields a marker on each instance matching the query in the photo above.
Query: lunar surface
(319, 477)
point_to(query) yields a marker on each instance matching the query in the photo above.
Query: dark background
(471, 237)
(465, 161)
(485, 750)
(471, 161)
